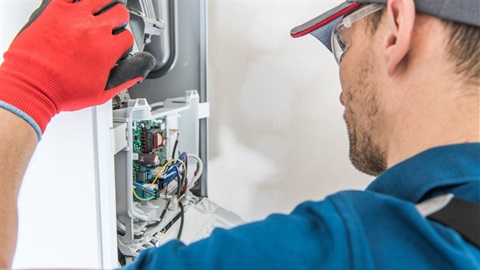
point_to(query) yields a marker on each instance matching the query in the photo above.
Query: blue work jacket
(378, 228)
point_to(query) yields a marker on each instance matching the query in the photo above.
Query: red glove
(69, 56)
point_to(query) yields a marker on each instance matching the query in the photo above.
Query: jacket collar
(437, 167)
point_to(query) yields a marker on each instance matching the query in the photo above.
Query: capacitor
(141, 177)
(149, 174)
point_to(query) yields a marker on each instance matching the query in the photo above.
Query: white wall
(277, 136)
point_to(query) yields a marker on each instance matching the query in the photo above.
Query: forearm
(17, 144)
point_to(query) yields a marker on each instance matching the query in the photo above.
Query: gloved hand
(70, 55)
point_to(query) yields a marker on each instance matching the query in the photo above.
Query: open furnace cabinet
(161, 134)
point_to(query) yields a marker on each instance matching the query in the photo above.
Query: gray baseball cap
(321, 27)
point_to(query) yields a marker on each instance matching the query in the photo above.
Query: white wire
(200, 170)
(121, 226)
(138, 214)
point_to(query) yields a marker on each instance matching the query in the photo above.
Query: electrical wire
(162, 215)
(162, 170)
(182, 182)
(144, 188)
(175, 145)
(183, 157)
(184, 186)
(140, 198)
(166, 190)
(198, 174)
(179, 181)
(168, 164)
(182, 218)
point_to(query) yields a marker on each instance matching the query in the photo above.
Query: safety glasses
(340, 38)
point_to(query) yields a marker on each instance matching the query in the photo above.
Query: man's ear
(400, 20)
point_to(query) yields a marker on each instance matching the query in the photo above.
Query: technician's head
(397, 60)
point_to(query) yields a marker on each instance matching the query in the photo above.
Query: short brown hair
(464, 49)
(463, 46)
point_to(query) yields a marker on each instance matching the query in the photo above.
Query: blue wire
(143, 187)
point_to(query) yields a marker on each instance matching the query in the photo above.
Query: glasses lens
(338, 45)
(340, 37)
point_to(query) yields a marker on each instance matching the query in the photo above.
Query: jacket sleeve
(312, 236)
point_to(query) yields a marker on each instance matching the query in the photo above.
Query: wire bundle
(173, 169)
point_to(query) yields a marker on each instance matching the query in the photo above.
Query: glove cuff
(22, 97)
(24, 116)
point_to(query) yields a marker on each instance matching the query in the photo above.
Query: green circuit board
(142, 141)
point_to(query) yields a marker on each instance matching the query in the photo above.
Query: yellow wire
(138, 197)
(159, 173)
(166, 165)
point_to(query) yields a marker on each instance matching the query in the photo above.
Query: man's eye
(342, 41)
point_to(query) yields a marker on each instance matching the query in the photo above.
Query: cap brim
(322, 26)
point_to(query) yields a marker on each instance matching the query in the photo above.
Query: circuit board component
(149, 145)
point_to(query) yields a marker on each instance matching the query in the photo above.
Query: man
(410, 75)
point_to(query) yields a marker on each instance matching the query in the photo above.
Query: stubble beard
(365, 153)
